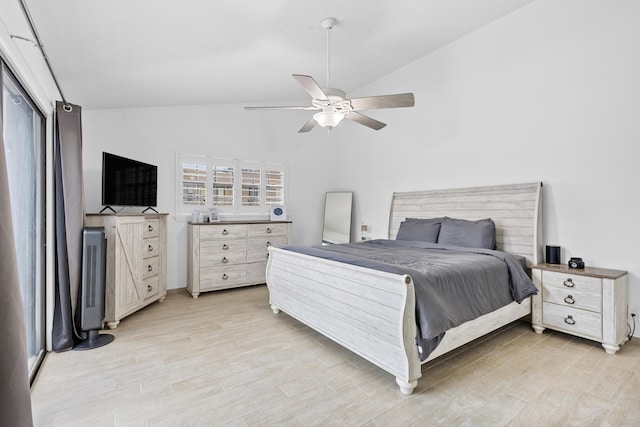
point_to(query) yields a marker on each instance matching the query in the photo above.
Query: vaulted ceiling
(124, 53)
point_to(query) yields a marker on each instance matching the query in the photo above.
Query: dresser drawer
(150, 247)
(258, 248)
(259, 230)
(221, 247)
(256, 272)
(573, 282)
(572, 298)
(222, 277)
(150, 267)
(222, 231)
(151, 228)
(221, 258)
(572, 320)
(151, 287)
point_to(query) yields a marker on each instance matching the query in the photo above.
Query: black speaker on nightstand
(553, 255)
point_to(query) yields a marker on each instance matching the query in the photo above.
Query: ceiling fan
(333, 105)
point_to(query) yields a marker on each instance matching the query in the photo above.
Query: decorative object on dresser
(136, 272)
(231, 254)
(376, 318)
(590, 303)
(553, 255)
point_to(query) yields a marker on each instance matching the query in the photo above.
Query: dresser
(136, 271)
(230, 254)
(590, 303)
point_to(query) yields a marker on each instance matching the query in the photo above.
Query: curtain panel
(15, 393)
(69, 205)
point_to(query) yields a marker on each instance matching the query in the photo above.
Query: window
(250, 187)
(233, 186)
(274, 187)
(222, 186)
(24, 145)
(194, 184)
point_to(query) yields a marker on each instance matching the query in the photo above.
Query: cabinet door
(129, 292)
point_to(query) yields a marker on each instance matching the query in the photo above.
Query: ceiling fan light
(328, 118)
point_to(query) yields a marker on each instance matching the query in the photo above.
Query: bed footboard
(369, 312)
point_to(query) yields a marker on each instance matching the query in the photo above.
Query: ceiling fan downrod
(328, 24)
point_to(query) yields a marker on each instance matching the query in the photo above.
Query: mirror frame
(338, 217)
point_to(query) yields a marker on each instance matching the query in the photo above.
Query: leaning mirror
(337, 218)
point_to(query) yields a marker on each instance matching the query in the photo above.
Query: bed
(373, 312)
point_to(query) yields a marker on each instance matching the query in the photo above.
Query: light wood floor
(226, 359)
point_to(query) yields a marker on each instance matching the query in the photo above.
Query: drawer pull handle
(150, 228)
(569, 283)
(225, 277)
(569, 299)
(150, 248)
(225, 247)
(149, 268)
(268, 230)
(267, 256)
(225, 260)
(268, 244)
(149, 288)
(225, 232)
(569, 320)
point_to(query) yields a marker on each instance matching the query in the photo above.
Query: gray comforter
(452, 284)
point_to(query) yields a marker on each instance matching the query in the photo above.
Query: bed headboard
(516, 210)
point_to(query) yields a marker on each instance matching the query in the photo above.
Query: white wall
(155, 135)
(551, 93)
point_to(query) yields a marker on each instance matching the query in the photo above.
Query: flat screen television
(127, 182)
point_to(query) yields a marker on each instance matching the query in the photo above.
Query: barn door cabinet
(136, 273)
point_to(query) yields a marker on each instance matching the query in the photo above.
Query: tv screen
(127, 182)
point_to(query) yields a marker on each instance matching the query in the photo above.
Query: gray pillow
(417, 229)
(471, 234)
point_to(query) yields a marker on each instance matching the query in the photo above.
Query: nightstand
(589, 303)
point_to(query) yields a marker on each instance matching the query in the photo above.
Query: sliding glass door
(24, 145)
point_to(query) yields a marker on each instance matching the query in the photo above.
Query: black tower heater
(90, 308)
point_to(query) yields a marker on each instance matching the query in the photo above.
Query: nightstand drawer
(572, 282)
(572, 298)
(574, 321)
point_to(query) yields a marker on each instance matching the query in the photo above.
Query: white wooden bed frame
(372, 313)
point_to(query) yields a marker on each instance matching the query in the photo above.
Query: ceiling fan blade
(365, 120)
(283, 108)
(308, 126)
(383, 101)
(310, 86)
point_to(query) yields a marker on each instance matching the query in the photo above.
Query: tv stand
(136, 269)
(149, 209)
(110, 208)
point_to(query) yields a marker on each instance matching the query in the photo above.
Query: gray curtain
(15, 394)
(69, 204)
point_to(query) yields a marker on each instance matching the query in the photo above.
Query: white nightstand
(589, 303)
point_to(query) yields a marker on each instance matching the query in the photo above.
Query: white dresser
(589, 303)
(226, 255)
(136, 273)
